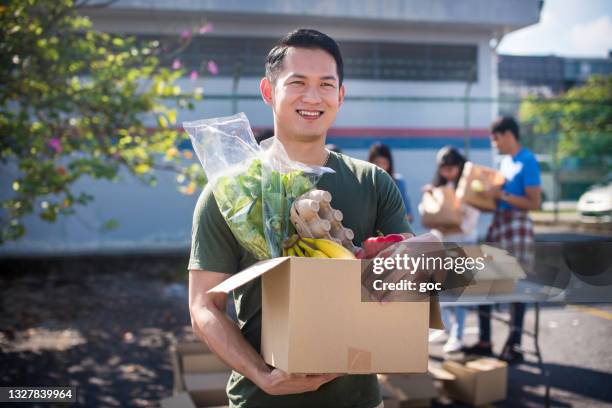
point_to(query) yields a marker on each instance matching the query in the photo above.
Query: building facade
(409, 65)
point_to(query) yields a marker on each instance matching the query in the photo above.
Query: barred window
(245, 57)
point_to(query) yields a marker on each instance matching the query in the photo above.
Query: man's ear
(341, 95)
(266, 90)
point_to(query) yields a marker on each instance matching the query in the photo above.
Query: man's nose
(311, 95)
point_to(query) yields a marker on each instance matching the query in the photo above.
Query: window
(245, 57)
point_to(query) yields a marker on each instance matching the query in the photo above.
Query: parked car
(595, 205)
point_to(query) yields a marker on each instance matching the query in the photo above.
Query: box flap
(203, 363)
(206, 381)
(486, 364)
(435, 317)
(247, 275)
(440, 374)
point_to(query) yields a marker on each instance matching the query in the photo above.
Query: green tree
(74, 103)
(582, 119)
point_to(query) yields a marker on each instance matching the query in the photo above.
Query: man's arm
(211, 324)
(531, 201)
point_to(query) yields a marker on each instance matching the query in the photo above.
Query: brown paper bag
(440, 209)
(474, 180)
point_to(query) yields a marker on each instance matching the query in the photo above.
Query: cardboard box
(477, 382)
(314, 321)
(184, 400)
(440, 208)
(484, 177)
(407, 390)
(501, 272)
(200, 377)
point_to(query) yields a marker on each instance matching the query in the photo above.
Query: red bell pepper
(372, 246)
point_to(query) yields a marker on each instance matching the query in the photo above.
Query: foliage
(76, 103)
(582, 118)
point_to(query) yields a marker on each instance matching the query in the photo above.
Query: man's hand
(278, 382)
(494, 192)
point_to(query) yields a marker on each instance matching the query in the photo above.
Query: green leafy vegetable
(256, 206)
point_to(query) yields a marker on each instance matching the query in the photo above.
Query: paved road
(575, 344)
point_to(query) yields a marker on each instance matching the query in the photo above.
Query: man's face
(502, 141)
(306, 95)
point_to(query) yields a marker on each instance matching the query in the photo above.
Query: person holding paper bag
(450, 164)
(380, 155)
(303, 86)
(511, 227)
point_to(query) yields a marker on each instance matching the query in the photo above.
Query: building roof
(500, 15)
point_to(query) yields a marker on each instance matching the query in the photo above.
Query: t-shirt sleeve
(391, 215)
(531, 172)
(213, 246)
(401, 185)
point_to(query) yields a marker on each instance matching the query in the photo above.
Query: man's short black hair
(506, 123)
(302, 38)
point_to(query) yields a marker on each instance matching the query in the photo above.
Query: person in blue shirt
(511, 227)
(380, 155)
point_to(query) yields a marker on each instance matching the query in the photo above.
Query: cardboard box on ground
(473, 181)
(200, 377)
(477, 382)
(314, 320)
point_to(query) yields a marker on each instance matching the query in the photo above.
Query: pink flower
(55, 144)
(176, 64)
(212, 67)
(186, 34)
(208, 27)
(194, 75)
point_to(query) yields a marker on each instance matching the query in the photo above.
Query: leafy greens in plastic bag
(254, 186)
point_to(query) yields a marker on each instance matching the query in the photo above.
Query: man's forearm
(224, 338)
(523, 203)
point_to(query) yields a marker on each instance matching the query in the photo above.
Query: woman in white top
(450, 164)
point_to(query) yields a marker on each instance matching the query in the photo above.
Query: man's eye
(328, 85)
(296, 83)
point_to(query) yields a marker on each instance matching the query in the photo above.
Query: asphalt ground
(104, 325)
(576, 351)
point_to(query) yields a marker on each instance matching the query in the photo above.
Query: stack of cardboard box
(200, 377)
(474, 382)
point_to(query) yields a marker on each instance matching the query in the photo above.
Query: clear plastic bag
(254, 186)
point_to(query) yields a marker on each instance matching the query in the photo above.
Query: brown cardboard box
(184, 400)
(439, 208)
(313, 320)
(477, 382)
(500, 274)
(486, 177)
(207, 389)
(407, 390)
(200, 377)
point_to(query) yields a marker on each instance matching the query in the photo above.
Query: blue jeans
(517, 316)
(456, 330)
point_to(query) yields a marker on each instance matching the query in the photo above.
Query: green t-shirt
(370, 201)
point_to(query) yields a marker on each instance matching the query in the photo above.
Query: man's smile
(309, 114)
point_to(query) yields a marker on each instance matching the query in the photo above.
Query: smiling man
(304, 87)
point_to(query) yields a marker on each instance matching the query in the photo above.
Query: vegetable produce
(245, 202)
(372, 246)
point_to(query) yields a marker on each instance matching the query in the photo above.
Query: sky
(568, 28)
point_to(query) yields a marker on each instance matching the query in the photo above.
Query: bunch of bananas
(315, 248)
